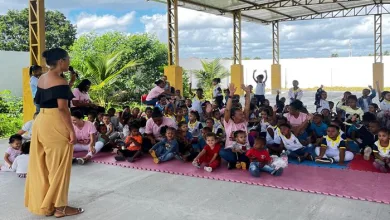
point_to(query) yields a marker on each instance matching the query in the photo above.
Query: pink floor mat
(350, 184)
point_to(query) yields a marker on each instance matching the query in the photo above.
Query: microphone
(71, 70)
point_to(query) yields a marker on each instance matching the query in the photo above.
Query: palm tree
(103, 71)
(211, 70)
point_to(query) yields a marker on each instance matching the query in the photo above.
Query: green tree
(211, 70)
(257, 58)
(386, 53)
(14, 34)
(144, 48)
(101, 70)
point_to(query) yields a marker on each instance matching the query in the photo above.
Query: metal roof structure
(268, 11)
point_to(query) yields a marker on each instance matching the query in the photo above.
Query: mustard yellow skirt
(49, 168)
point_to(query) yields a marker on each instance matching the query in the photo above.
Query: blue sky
(208, 36)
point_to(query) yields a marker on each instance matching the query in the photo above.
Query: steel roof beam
(288, 3)
(269, 9)
(350, 12)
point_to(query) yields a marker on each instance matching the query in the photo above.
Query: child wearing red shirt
(209, 154)
(133, 144)
(260, 159)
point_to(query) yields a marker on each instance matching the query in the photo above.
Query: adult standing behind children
(260, 87)
(295, 93)
(53, 136)
(366, 100)
(35, 73)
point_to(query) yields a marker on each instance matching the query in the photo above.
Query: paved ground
(114, 193)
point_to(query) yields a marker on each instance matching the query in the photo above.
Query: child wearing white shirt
(20, 164)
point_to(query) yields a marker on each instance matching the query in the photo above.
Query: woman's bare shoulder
(48, 81)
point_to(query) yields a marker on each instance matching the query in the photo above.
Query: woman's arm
(247, 101)
(232, 90)
(79, 103)
(92, 143)
(66, 118)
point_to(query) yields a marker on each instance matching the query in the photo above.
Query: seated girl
(179, 116)
(15, 142)
(166, 149)
(239, 148)
(216, 129)
(264, 122)
(194, 126)
(209, 155)
(272, 139)
(202, 139)
(20, 164)
(382, 151)
(132, 147)
(333, 148)
(318, 129)
(86, 136)
(295, 148)
(261, 160)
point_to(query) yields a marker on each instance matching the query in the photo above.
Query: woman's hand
(92, 149)
(72, 138)
(232, 89)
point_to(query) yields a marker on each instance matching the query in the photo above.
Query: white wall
(310, 72)
(11, 65)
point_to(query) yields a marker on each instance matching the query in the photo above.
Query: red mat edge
(244, 182)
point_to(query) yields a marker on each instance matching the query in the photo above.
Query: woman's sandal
(60, 213)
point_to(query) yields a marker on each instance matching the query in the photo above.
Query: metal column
(173, 36)
(237, 55)
(378, 37)
(37, 31)
(275, 42)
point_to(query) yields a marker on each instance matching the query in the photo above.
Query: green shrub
(11, 108)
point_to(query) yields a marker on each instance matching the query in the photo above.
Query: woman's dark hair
(34, 68)
(26, 147)
(52, 56)
(93, 113)
(217, 80)
(82, 86)
(158, 82)
(77, 114)
(157, 113)
(297, 105)
(15, 137)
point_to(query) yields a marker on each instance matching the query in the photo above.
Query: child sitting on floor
(382, 151)
(20, 164)
(184, 139)
(333, 148)
(202, 139)
(260, 159)
(194, 126)
(166, 149)
(239, 148)
(209, 155)
(15, 142)
(318, 129)
(133, 145)
(291, 143)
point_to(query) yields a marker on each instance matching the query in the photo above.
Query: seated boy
(333, 148)
(295, 148)
(318, 129)
(133, 145)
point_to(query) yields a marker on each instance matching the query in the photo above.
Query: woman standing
(81, 100)
(53, 136)
(35, 73)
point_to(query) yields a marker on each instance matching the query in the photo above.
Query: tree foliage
(103, 73)
(211, 70)
(143, 48)
(14, 30)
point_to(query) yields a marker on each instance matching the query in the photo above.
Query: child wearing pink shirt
(15, 142)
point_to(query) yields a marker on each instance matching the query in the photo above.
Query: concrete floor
(114, 193)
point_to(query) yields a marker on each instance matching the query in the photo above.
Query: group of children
(193, 130)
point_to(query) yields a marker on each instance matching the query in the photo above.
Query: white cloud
(87, 22)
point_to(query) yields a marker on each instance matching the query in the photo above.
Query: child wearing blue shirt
(318, 128)
(166, 149)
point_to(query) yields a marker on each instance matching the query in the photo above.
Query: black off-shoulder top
(47, 98)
